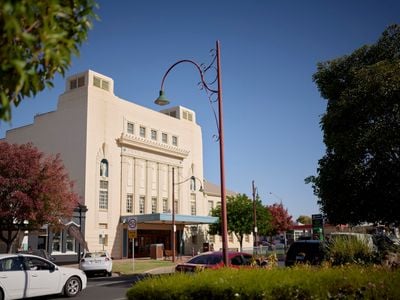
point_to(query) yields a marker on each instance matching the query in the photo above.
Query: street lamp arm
(204, 83)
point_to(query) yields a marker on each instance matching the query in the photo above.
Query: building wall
(90, 125)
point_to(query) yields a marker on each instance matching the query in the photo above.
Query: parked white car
(25, 276)
(96, 262)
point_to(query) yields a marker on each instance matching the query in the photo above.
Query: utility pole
(254, 215)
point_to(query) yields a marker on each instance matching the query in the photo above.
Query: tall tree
(38, 39)
(34, 190)
(240, 217)
(358, 178)
(281, 220)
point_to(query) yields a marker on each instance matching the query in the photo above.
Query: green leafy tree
(34, 190)
(38, 39)
(304, 220)
(358, 178)
(240, 217)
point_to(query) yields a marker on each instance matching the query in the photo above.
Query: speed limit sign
(132, 224)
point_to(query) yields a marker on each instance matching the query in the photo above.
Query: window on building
(101, 83)
(210, 207)
(96, 81)
(70, 243)
(175, 140)
(56, 244)
(105, 85)
(154, 135)
(81, 81)
(247, 238)
(212, 238)
(103, 195)
(142, 131)
(104, 168)
(73, 84)
(231, 238)
(173, 113)
(141, 204)
(130, 128)
(165, 205)
(153, 205)
(129, 203)
(193, 204)
(187, 115)
(165, 138)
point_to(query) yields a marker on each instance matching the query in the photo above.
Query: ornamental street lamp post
(162, 100)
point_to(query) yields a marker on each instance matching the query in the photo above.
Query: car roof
(219, 253)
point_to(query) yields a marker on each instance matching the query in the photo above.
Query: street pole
(162, 100)
(254, 215)
(173, 215)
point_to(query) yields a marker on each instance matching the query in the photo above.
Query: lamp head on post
(161, 100)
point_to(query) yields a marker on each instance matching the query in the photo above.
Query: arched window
(104, 168)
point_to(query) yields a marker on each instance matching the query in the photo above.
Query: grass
(126, 267)
(303, 282)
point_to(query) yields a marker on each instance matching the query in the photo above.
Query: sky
(269, 53)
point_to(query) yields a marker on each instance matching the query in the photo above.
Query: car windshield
(206, 260)
(95, 254)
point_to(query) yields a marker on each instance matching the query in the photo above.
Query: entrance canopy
(166, 218)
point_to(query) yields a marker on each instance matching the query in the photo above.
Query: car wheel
(109, 274)
(1, 294)
(72, 287)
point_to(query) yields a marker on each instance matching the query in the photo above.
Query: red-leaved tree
(281, 220)
(35, 189)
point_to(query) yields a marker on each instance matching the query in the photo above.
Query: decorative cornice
(130, 140)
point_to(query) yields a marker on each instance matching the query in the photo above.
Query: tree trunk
(9, 239)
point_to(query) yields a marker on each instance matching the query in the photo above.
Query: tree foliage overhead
(38, 39)
(34, 190)
(359, 176)
(281, 220)
(240, 217)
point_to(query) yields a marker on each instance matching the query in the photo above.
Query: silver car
(26, 275)
(96, 262)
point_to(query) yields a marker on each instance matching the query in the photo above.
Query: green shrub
(300, 282)
(349, 250)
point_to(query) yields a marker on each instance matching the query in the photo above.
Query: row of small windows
(97, 82)
(187, 115)
(165, 206)
(130, 128)
(76, 82)
(101, 83)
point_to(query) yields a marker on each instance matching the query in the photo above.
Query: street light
(162, 100)
(173, 246)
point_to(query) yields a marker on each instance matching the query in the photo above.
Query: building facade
(121, 157)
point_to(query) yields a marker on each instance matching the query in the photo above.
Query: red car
(213, 260)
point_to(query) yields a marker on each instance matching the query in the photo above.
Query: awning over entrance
(166, 218)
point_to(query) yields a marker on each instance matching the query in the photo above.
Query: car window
(37, 264)
(206, 260)
(11, 264)
(237, 260)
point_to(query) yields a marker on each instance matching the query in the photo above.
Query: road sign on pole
(132, 223)
(132, 234)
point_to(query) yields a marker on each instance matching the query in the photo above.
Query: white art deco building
(121, 157)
